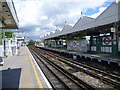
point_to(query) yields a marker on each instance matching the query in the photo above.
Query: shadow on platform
(11, 78)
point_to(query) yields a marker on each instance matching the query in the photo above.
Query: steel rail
(65, 60)
(88, 86)
(67, 73)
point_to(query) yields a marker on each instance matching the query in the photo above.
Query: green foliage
(46, 42)
(78, 38)
(31, 43)
(8, 34)
(101, 79)
(94, 72)
(1, 36)
(81, 73)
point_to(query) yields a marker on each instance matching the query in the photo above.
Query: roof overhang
(8, 16)
(87, 26)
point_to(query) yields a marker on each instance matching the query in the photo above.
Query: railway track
(106, 77)
(111, 74)
(57, 76)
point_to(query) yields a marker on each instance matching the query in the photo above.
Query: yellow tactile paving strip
(36, 75)
(30, 76)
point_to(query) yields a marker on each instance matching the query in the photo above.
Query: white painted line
(48, 84)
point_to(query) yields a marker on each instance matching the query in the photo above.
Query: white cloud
(27, 12)
(42, 16)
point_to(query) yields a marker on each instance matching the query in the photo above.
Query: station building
(104, 33)
(8, 21)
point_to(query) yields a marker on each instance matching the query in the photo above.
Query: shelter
(104, 32)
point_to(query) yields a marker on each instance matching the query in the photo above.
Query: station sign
(107, 41)
(74, 43)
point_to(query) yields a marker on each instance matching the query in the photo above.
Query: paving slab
(21, 71)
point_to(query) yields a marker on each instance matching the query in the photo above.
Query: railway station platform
(87, 55)
(22, 71)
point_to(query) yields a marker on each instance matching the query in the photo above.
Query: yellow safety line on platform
(36, 75)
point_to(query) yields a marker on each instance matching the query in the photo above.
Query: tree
(31, 43)
(8, 34)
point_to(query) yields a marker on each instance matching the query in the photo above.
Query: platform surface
(21, 71)
(88, 54)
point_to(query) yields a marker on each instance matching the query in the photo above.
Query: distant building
(39, 43)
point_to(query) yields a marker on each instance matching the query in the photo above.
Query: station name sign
(107, 41)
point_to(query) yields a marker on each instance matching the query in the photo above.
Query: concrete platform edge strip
(48, 84)
(84, 55)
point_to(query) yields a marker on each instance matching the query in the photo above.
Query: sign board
(112, 29)
(107, 41)
(74, 43)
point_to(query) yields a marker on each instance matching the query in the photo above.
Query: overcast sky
(38, 17)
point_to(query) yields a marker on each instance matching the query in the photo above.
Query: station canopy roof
(65, 30)
(8, 15)
(108, 16)
(57, 31)
(50, 35)
(83, 23)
